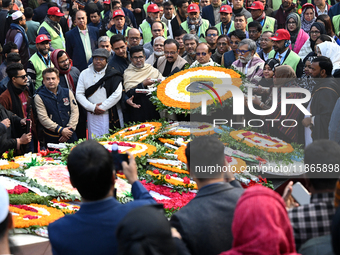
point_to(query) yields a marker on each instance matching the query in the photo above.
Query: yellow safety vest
(57, 41)
(292, 59)
(146, 30)
(269, 24)
(109, 33)
(219, 28)
(201, 30)
(39, 67)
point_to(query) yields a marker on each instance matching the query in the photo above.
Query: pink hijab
(261, 225)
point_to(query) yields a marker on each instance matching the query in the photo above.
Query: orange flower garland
(181, 154)
(252, 140)
(10, 165)
(170, 168)
(34, 214)
(138, 150)
(150, 128)
(239, 167)
(167, 101)
(172, 181)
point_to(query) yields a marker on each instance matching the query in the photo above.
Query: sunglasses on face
(241, 52)
(201, 53)
(22, 76)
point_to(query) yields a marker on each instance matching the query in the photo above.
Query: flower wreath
(174, 180)
(264, 142)
(137, 149)
(10, 165)
(142, 130)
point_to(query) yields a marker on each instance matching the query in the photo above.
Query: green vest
(269, 24)
(57, 41)
(292, 60)
(145, 7)
(146, 30)
(102, 14)
(277, 4)
(219, 28)
(336, 23)
(39, 67)
(109, 33)
(201, 30)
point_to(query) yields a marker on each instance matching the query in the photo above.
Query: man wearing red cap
(107, 14)
(52, 28)
(281, 51)
(40, 60)
(258, 14)
(194, 23)
(145, 27)
(157, 2)
(117, 24)
(226, 26)
(211, 12)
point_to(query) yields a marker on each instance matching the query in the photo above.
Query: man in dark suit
(81, 41)
(40, 12)
(92, 230)
(205, 222)
(212, 12)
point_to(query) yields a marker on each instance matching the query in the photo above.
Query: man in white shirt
(99, 91)
(321, 7)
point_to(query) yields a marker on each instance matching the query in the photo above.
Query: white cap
(4, 204)
(17, 15)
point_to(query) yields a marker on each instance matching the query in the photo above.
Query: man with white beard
(158, 50)
(248, 63)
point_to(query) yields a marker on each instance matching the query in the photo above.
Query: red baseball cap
(41, 38)
(153, 8)
(308, 5)
(118, 13)
(257, 5)
(106, 2)
(193, 8)
(55, 11)
(281, 34)
(226, 9)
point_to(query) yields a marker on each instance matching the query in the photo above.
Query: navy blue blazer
(228, 58)
(75, 49)
(208, 13)
(92, 230)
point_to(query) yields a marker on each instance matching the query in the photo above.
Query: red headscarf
(261, 225)
(54, 60)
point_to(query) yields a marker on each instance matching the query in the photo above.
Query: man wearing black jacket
(120, 60)
(182, 14)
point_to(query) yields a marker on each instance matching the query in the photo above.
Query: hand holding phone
(118, 158)
(300, 194)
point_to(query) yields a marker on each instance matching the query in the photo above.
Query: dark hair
(92, 177)
(179, 32)
(157, 22)
(168, 4)
(3, 226)
(328, 23)
(13, 57)
(241, 15)
(255, 24)
(60, 53)
(126, 3)
(28, 12)
(324, 38)
(6, 3)
(117, 38)
(136, 49)
(94, 10)
(114, 3)
(238, 33)
(205, 151)
(181, 2)
(211, 28)
(170, 41)
(8, 47)
(52, 4)
(222, 36)
(325, 64)
(12, 69)
(323, 152)
(50, 70)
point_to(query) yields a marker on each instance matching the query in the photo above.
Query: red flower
(175, 175)
(256, 141)
(247, 133)
(229, 159)
(167, 177)
(30, 217)
(186, 180)
(142, 126)
(278, 145)
(155, 171)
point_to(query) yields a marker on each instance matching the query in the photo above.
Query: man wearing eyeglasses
(99, 91)
(266, 45)
(203, 56)
(171, 62)
(211, 36)
(249, 64)
(222, 47)
(235, 38)
(157, 29)
(133, 38)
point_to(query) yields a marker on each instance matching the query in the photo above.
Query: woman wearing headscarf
(298, 37)
(68, 74)
(284, 77)
(261, 225)
(268, 72)
(308, 17)
(146, 231)
(306, 81)
(326, 20)
(316, 30)
(331, 51)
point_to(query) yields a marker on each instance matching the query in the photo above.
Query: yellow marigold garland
(181, 154)
(148, 130)
(170, 168)
(172, 181)
(44, 220)
(150, 148)
(167, 101)
(11, 165)
(282, 149)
